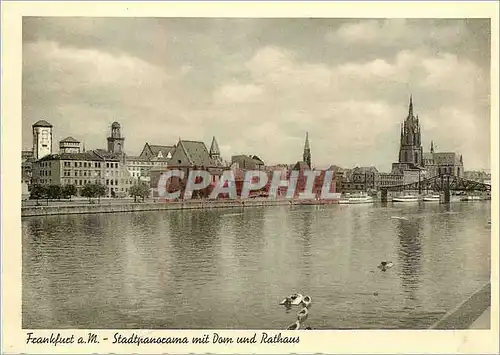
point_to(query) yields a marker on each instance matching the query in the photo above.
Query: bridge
(444, 183)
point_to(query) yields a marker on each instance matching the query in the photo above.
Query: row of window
(79, 164)
(82, 173)
(45, 172)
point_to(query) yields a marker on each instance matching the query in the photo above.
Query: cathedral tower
(306, 157)
(410, 151)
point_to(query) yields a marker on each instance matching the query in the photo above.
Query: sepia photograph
(202, 177)
(392, 114)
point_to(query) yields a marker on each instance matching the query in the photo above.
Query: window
(107, 165)
(107, 181)
(79, 182)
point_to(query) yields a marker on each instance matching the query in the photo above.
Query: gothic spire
(410, 108)
(214, 148)
(432, 146)
(307, 151)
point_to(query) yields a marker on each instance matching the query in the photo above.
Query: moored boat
(470, 198)
(432, 198)
(356, 199)
(405, 198)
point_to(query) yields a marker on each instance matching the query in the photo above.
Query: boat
(405, 198)
(306, 301)
(470, 198)
(302, 314)
(356, 199)
(294, 300)
(432, 198)
(294, 326)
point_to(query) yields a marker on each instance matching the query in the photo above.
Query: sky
(258, 85)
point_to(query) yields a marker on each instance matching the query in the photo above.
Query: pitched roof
(105, 155)
(70, 140)
(196, 152)
(165, 149)
(42, 123)
(447, 158)
(89, 155)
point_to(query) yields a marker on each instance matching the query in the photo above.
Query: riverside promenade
(29, 209)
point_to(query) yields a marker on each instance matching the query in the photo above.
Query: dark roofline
(42, 123)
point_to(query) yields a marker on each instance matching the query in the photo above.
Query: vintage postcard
(250, 177)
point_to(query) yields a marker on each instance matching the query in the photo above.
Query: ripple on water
(222, 269)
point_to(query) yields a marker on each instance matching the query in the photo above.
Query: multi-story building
(151, 157)
(190, 155)
(73, 167)
(390, 179)
(365, 178)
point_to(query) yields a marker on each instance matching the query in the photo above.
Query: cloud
(259, 85)
(396, 32)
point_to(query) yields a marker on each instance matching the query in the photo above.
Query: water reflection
(230, 268)
(409, 254)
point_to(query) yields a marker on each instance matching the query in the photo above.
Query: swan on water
(306, 301)
(302, 314)
(294, 326)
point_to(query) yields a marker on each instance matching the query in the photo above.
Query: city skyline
(349, 87)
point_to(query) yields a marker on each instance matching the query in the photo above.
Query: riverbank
(126, 206)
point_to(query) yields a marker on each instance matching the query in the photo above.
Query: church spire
(432, 147)
(306, 157)
(410, 108)
(214, 148)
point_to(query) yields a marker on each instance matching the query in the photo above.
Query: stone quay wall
(86, 208)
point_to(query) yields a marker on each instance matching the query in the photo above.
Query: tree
(139, 190)
(38, 191)
(54, 192)
(68, 191)
(100, 191)
(93, 190)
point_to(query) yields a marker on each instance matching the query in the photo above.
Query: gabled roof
(69, 140)
(153, 150)
(42, 123)
(196, 152)
(446, 158)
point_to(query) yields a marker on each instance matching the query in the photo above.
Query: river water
(229, 268)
